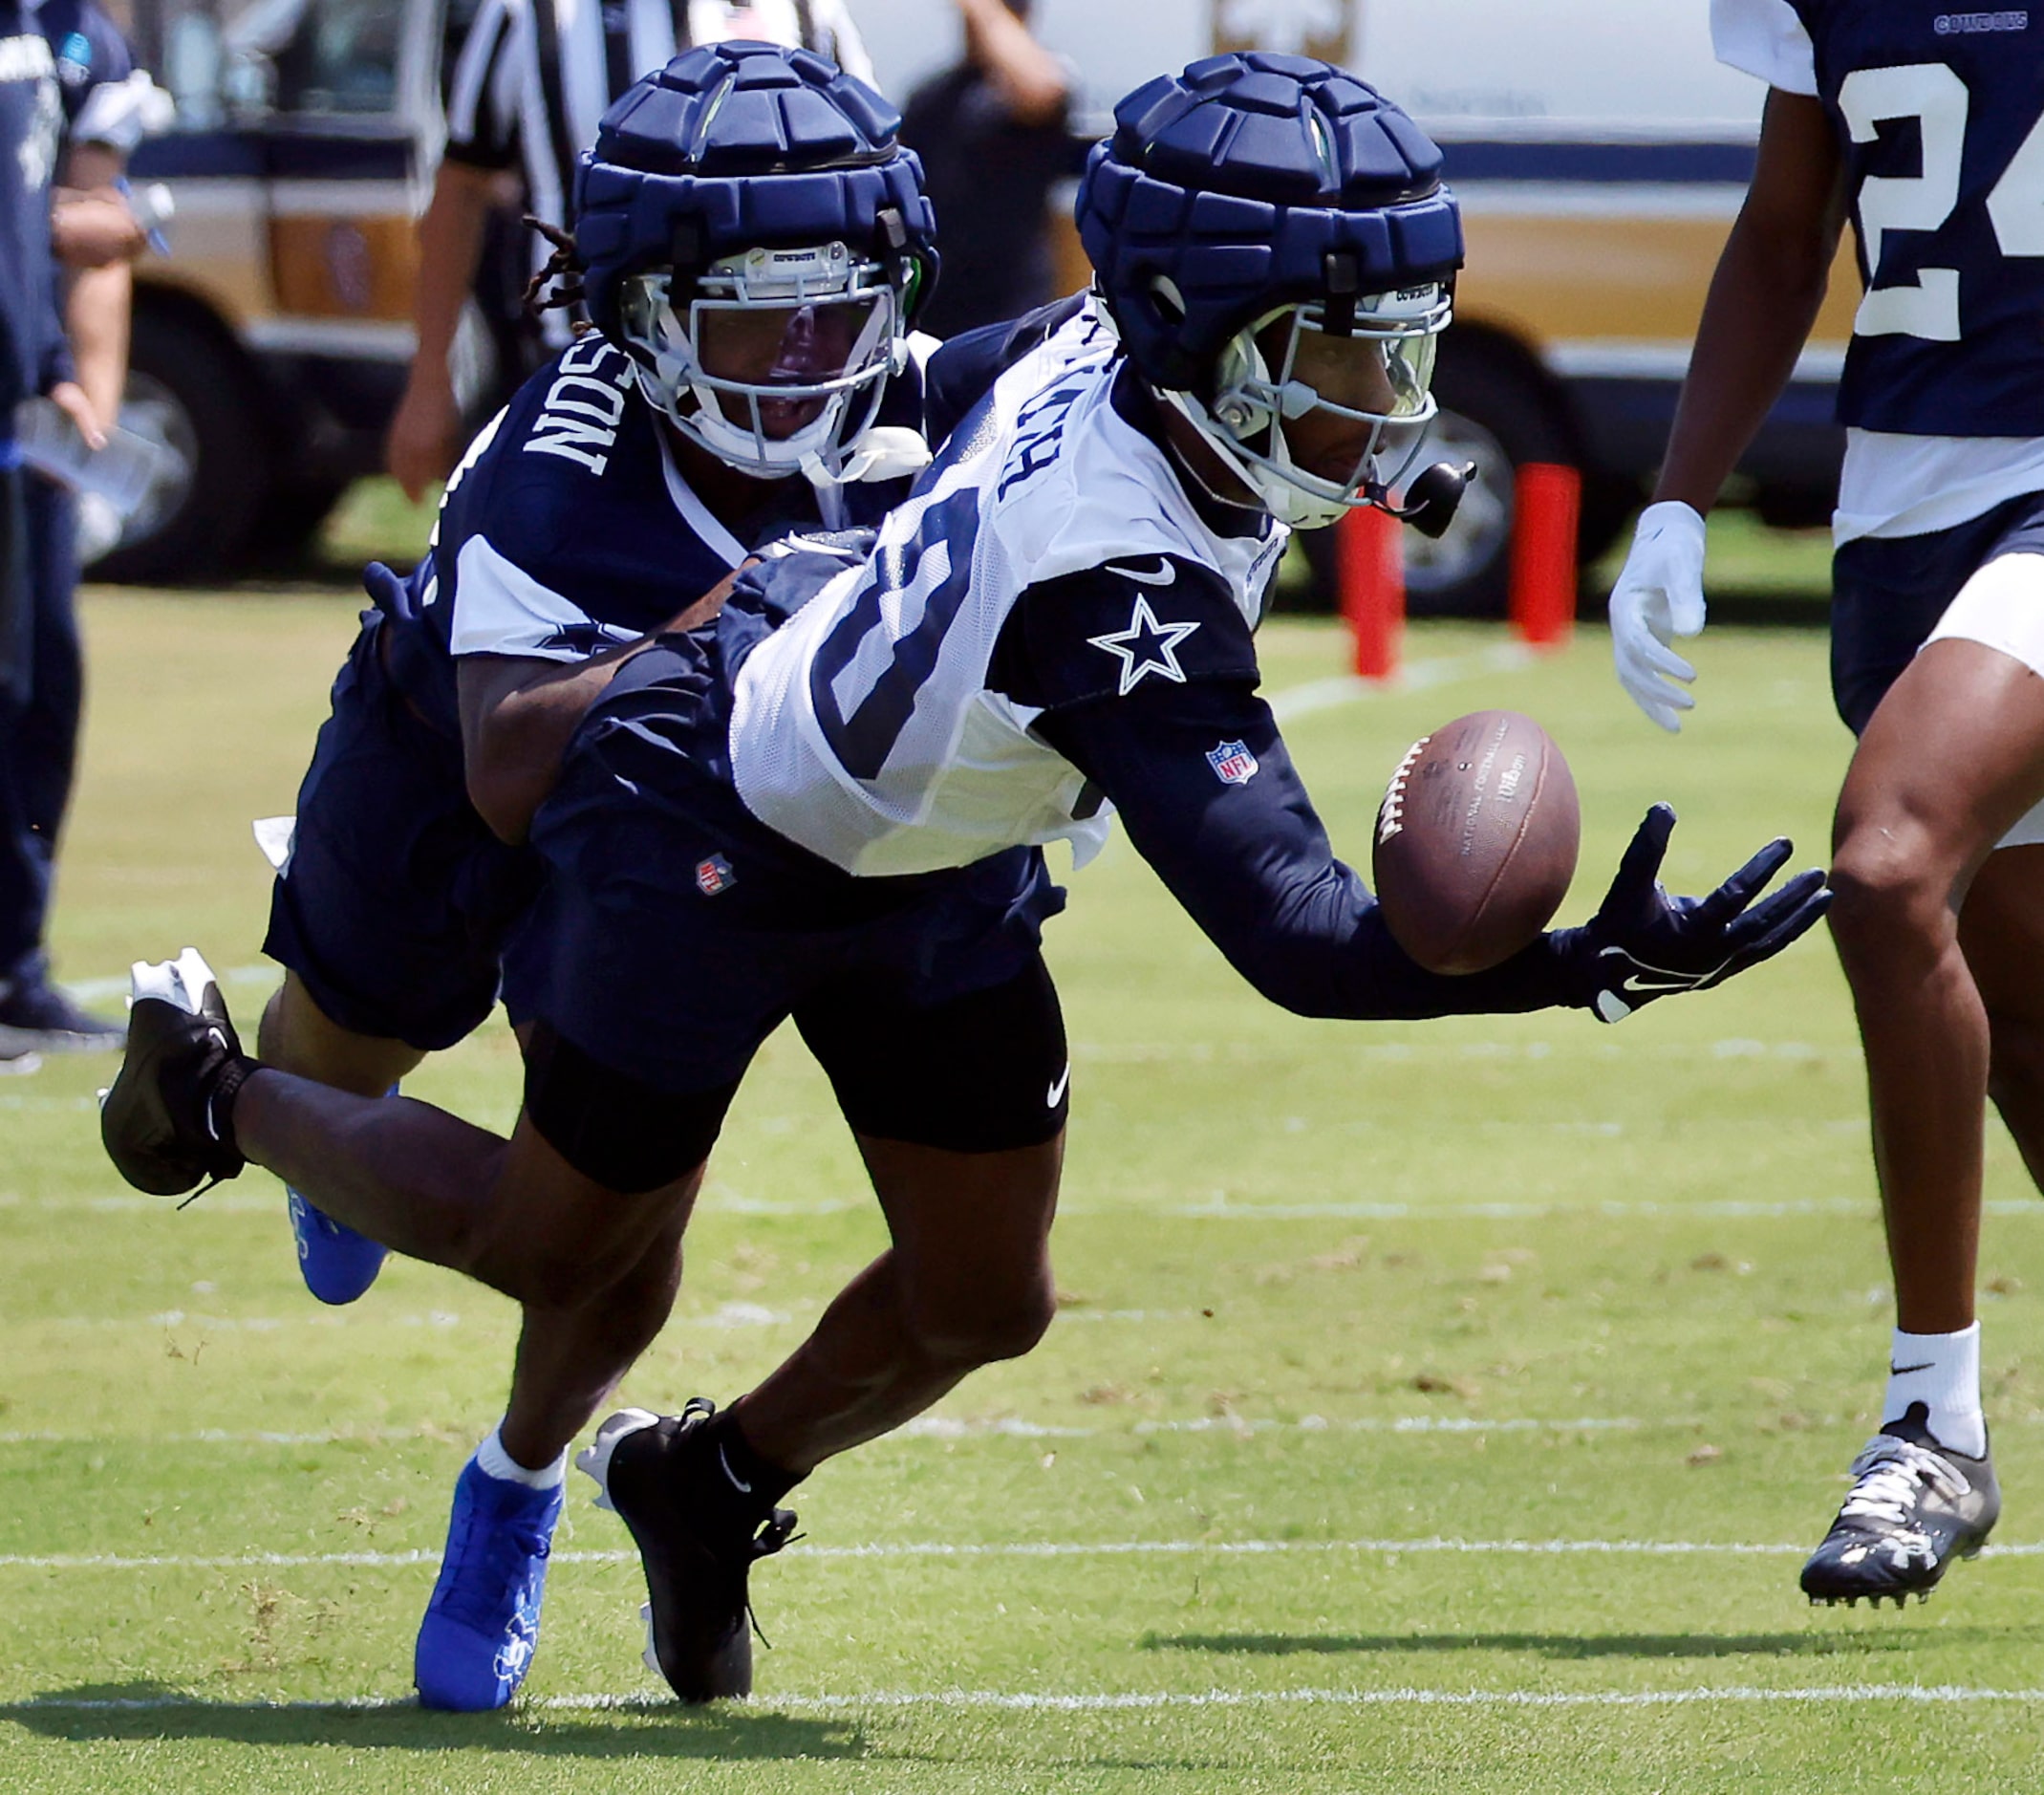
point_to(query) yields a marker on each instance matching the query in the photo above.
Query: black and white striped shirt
(534, 78)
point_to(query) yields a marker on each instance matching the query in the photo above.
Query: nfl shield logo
(1233, 764)
(713, 875)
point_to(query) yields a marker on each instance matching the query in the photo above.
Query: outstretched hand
(1642, 945)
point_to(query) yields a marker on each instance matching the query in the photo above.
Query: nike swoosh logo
(1668, 981)
(1056, 1093)
(737, 1482)
(1165, 575)
(1901, 1371)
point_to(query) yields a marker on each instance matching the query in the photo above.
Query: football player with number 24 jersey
(1926, 128)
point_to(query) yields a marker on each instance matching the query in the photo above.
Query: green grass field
(1435, 1406)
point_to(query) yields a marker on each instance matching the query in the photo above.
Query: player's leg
(516, 1213)
(1952, 758)
(387, 915)
(2001, 929)
(481, 1627)
(296, 1035)
(966, 1282)
(38, 750)
(960, 1110)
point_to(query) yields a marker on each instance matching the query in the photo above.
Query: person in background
(86, 223)
(527, 89)
(108, 107)
(993, 137)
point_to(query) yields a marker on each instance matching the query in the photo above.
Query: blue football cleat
(338, 1263)
(481, 1626)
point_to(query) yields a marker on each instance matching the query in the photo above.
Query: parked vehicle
(269, 345)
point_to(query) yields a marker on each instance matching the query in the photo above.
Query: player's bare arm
(1764, 296)
(518, 713)
(423, 443)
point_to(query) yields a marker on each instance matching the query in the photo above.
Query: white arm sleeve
(1765, 38)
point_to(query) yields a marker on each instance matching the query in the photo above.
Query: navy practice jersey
(1940, 118)
(568, 527)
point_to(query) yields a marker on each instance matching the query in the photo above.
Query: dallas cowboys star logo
(1146, 646)
(582, 639)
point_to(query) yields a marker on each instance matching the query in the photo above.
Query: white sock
(1941, 1371)
(498, 1463)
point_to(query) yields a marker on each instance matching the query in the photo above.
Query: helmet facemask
(778, 363)
(1357, 376)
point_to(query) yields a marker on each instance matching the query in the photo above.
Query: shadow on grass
(1561, 1645)
(154, 1712)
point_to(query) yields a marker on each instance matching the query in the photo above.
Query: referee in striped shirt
(531, 81)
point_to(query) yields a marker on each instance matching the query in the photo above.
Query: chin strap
(886, 452)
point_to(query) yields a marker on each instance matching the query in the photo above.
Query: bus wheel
(1494, 413)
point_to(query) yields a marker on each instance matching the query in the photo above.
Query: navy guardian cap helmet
(1243, 208)
(749, 231)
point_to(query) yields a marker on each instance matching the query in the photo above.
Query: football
(1476, 841)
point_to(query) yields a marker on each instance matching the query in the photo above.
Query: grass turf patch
(1430, 1406)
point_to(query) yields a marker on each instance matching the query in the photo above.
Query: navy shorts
(396, 903)
(1887, 593)
(676, 931)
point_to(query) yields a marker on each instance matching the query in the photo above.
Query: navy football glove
(1642, 945)
(784, 575)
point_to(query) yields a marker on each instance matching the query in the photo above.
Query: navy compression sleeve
(1252, 865)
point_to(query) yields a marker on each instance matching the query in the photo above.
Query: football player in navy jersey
(831, 805)
(1926, 128)
(765, 265)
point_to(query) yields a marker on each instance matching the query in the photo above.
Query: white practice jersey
(869, 730)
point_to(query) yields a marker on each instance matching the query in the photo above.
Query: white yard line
(1095, 1701)
(945, 1427)
(1208, 1209)
(103, 990)
(1017, 1549)
(1416, 676)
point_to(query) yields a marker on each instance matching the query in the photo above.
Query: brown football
(1476, 841)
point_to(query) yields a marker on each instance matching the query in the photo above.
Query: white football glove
(1659, 595)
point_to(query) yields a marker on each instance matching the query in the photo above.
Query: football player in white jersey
(831, 805)
(1926, 130)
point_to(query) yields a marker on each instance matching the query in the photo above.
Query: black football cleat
(1915, 1505)
(162, 1121)
(657, 1473)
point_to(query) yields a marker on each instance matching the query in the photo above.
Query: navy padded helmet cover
(1235, 180)
(678, 159)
